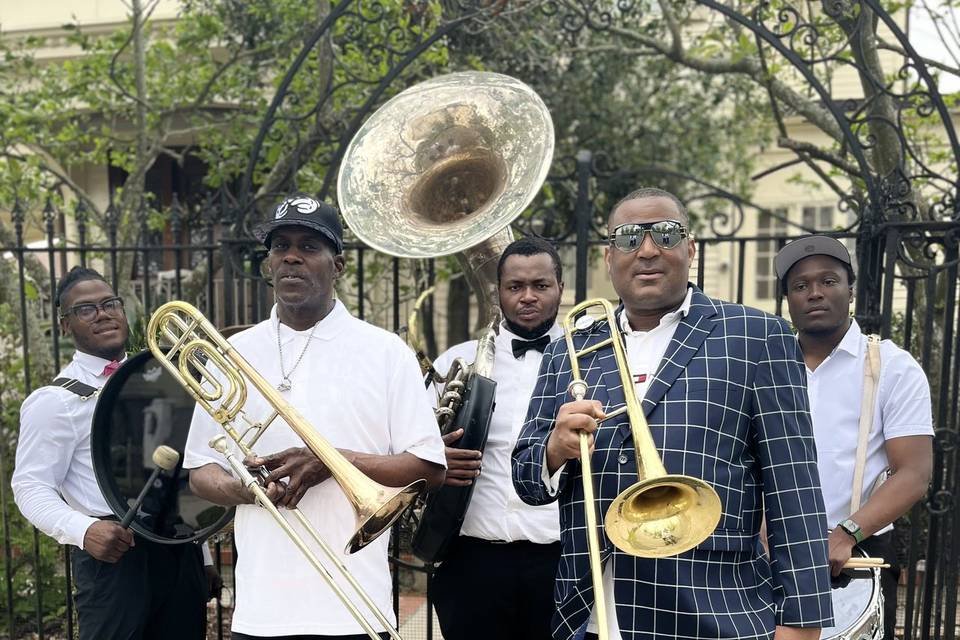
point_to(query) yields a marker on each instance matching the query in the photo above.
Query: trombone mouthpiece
(165, 457)
(219, 443)
(577, 388)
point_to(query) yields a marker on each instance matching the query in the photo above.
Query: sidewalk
(413, 618)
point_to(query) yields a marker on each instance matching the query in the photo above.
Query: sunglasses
(88, 311)
(666, 234)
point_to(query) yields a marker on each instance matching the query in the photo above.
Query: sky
(930, 44)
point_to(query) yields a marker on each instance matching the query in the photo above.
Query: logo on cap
(303, 205)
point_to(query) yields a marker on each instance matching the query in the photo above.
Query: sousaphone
(444, 168)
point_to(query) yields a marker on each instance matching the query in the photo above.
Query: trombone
(660, 515)
(194, 346)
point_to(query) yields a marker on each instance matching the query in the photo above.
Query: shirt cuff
(429, 453)
(207, 556)
(551, 482)
(76, 529)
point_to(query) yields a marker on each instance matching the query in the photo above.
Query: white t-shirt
(495, 511)
(361, 389)
(836, 391)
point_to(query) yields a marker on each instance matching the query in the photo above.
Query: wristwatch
(853, 529)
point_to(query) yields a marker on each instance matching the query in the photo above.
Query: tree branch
(805, 148)
(676, 39)
(50, 165)
(746, 66)
(890, 46)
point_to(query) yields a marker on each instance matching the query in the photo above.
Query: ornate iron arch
(885, 188)
(907, 222)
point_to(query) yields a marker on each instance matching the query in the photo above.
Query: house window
(768, 225)
(818, 218)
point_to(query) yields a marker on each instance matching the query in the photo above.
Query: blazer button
(622, 459)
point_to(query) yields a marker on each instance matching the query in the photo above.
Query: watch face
(852, 529)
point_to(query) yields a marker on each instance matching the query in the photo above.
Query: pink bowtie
(110, 368)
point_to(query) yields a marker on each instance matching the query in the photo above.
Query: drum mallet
(166, 459)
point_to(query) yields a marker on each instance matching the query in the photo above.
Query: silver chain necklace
(285, 383)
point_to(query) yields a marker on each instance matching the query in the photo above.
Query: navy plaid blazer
(728, 405)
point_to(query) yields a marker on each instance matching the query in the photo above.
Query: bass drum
(140, 408)
(857, 608)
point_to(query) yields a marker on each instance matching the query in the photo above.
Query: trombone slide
(593, 540)
(220, 444)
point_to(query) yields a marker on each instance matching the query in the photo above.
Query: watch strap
(853, 529)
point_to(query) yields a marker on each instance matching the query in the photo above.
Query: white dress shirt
(360, 388)
(902, 408)
(53, 480)
(645, 351)
(495, 511)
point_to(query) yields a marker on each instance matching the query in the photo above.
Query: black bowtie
(520, 347)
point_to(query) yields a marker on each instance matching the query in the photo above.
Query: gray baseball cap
(302, 210)
(809, 246)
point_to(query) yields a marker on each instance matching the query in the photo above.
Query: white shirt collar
(669, 318)
(851, 342)
(93, 364)
(555, 331)
(326, 329)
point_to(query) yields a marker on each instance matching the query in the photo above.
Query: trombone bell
(663, 516)
(390, 509)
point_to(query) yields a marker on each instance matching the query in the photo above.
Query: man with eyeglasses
(126, 587)
(723, 390)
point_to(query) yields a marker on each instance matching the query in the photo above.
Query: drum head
(140, 408)
(857, 612)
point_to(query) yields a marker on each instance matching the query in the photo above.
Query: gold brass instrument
(214, 374)
(662, 514)
(443, 168)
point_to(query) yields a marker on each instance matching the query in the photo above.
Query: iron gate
(904, 225)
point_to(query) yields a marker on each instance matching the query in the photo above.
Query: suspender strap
(871, 380)
(85, 391)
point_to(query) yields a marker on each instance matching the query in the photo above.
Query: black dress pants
(882, 546)
(155, 592)
(486, 590)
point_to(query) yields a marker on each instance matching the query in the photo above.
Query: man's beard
(530, 334)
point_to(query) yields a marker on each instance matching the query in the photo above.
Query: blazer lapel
(690, 335)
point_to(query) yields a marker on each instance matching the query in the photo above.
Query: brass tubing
(662, 514)
(578, 389)
(219, 443)
(377, 506)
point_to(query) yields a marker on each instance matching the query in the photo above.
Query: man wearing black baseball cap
(857, 387)
(303, 211)
(360, 388)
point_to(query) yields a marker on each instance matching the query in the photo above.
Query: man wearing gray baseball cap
(857, 385)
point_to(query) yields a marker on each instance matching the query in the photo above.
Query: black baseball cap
(301, 210)
(809, 246)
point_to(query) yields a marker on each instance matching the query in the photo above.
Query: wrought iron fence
(220, 274)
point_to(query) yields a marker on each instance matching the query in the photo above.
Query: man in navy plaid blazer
(724, 391)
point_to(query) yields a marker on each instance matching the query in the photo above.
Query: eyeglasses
(89, 310)
(666, 234)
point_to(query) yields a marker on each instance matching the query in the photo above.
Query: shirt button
(622, 459)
